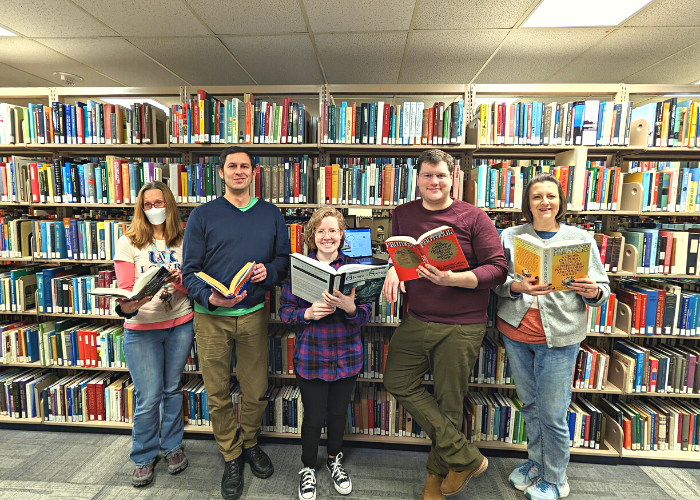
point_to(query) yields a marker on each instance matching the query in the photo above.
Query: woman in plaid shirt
(327, 353)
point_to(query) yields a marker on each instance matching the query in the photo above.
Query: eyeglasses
(157, 204)
(429, 177)
(320, 233)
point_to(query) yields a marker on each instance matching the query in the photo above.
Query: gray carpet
(62, 465)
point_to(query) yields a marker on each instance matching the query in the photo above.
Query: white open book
(147, 284)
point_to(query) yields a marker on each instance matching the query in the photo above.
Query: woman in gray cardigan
(542, 332)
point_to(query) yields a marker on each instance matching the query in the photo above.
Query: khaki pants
(449, 352)
(215, 337)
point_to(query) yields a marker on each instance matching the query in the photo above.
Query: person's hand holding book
(530, 287)
(130, 306)
(345, 302)
(318, 310)
(220, 301)
(585, 287)
(259, 274)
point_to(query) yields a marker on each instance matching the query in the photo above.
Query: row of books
(76, 238)
(610, 246)
(67, 342)
(577, 123)
(602, 319)
(81, 123)
(501, 185)
(206, 120)
(18, 389)
(285, 179)
(658, 424)
(382, 123)
(591, 369)
(672, 122)
(659, 368)
(673, 187)
(664, 248)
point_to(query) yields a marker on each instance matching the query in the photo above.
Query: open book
(238, 284)
(438, 247)
(147, 284)
(311, 277)
(557, 263)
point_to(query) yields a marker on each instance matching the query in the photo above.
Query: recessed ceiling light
(6, 32)
(571, 13)
(129, 102)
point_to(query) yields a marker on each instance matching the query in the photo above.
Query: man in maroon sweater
(445, 324)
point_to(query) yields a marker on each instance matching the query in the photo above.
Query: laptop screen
(358, 242)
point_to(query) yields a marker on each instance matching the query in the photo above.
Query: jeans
(543, 381)
(323, 400)
(156, 359)
(449, 352)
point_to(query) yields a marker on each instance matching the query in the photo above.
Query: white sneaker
(544, 490)
(307, 484)
(341, 480)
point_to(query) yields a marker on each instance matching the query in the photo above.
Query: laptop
(358, 244)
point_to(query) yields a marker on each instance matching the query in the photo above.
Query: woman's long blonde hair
(140, 230)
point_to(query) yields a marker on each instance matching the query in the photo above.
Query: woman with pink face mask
(157, 333)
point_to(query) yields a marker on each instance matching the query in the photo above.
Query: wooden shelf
(682, 456)
(86, 316)
(638, 336)
(15, 259)
(616, 334)
(665, 395)
(75, 261)
(609, 389)
(309, 146)
(93, 423)
(384, 148)
(31, 312)
(5, 419)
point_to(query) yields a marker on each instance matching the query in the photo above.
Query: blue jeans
(156, 359)
(543, 381)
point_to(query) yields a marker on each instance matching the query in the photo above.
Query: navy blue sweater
(220, 239)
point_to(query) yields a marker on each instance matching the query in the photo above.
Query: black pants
(321, 400)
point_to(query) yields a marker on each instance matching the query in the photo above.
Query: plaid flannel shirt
(330, 348)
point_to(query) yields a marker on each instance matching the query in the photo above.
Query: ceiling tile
(277, 60)
(359, 15)
(682, 68)
(199, 61)
(624, 52)
(50, 17)
(251, 17)
(476, 14)
(448, 56)
(145, 17)
(668, 13)
(534, 55)
(361, 58)
(32, 57)
(11, 77)
(117, 58)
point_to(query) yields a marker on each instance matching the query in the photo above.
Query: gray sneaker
(143, 475)
(177, 461)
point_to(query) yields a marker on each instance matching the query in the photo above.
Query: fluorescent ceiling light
(490, 100)
(129, 102)
(570, 13)
(697, 83)
(6, 32)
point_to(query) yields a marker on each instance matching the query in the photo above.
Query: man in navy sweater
(220, 237)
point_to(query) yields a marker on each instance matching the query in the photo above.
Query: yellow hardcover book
(693, 124)
(483, 114)
(334, 183)
(184, 186)
(559, 263)
(665, 120)
(238, 284)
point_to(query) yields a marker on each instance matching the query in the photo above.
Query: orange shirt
(529, 331)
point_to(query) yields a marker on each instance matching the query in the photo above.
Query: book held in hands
(311, 277)
(238, 284)
(438, 247)
(558, 263)
(147, 284)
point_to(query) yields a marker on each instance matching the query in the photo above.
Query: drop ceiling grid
(361, 58)
(57, 17)
(683, 67)
(117, 58)
(534, 55)
(145, 17)
(250, 17)
(668, 13)
(448, 56)
(475, 14)
(358, 15)
(199, 61)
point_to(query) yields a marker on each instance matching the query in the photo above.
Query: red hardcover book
(653, 372)
(660, 308)
(408, 253)
(34, 175)
(612, 304)
(100, 399)
(91, 400)
(290, 353)
(257, 182)
(370, 411)
(353, 138)
(587, 431)
(387, 123)
(217, 122)
(285, 120)
(81, 349)
(80, 128)
(627, 433)
(297, 168)
(328, 171)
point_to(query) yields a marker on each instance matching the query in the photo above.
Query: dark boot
(232, 482)
(260, 463)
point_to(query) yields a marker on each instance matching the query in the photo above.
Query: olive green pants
(449, 352)
(215, 339)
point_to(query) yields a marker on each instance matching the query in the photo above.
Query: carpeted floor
(80, 466)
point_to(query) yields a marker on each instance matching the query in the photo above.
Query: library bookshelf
(467, 149)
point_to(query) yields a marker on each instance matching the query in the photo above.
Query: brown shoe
(143, 475)
(177, 461)
(456, 481)
(431, 490)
